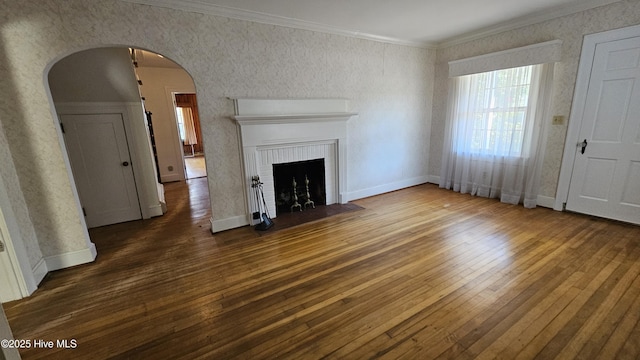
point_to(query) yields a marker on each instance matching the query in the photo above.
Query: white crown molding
(203, 7)
(527, 20)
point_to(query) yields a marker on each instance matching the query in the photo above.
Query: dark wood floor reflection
(420, 273)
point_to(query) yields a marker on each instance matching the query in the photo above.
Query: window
(492, 112)
(180, 118)
(493, 141)
(497, 108)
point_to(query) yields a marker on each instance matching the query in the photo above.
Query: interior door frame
(128, 111)
(579, 101)
(22, 279)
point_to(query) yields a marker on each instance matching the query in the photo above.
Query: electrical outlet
(558, 120)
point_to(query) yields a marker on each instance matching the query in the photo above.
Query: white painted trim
(228, 223)
(381, 189)
(285, 123)
(73, 258)
(543, 201)
(579, 103)
(145, 184)
(546, 201)
(536, 18)
(171, 178)
(433, 179)
(13, 284)
(40, 270)
(202, 7)
(89, 107)
(143, 165)
(540, 53)
(24, 280)
(286, 119)
(262, 18)
(55, 109)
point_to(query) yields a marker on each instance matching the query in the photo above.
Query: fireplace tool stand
(266, 223)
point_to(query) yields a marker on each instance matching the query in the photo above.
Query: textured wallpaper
(570, 29)
(389, 85)
(18, 206)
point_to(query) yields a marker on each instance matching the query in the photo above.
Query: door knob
(583, 144)
(126, 163)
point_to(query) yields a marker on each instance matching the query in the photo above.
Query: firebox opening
(284, 176)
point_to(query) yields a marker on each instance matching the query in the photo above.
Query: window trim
(535, 54)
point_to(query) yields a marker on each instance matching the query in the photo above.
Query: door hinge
(62, 127)
(84, 211)
(1, 246)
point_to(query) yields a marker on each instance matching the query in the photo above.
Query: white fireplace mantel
(276, 131)
(293, 118)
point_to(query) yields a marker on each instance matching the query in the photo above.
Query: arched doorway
(121, 146)
(169, 93)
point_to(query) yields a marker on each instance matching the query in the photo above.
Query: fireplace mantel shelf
(292, 118)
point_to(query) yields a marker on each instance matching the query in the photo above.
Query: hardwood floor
(195, 167)
(421, 273)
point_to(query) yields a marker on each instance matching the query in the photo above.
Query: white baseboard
(381, 189)
(546, 201)
(73, 258)
(543, 201)
(40, 271)
(228, 223)
(171, 178)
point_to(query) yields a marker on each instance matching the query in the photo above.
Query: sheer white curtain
(493, 141)
(189, 128)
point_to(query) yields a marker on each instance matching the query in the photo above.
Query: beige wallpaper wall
(390, 86)
(570, 29)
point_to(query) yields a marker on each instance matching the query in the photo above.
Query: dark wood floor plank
(418, 273)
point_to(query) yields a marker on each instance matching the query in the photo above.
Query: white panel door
(101, 165)
(606, 175)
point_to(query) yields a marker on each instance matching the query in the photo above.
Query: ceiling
(411, 22)
(145, 58)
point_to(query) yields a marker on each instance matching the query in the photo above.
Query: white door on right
(606, 173)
